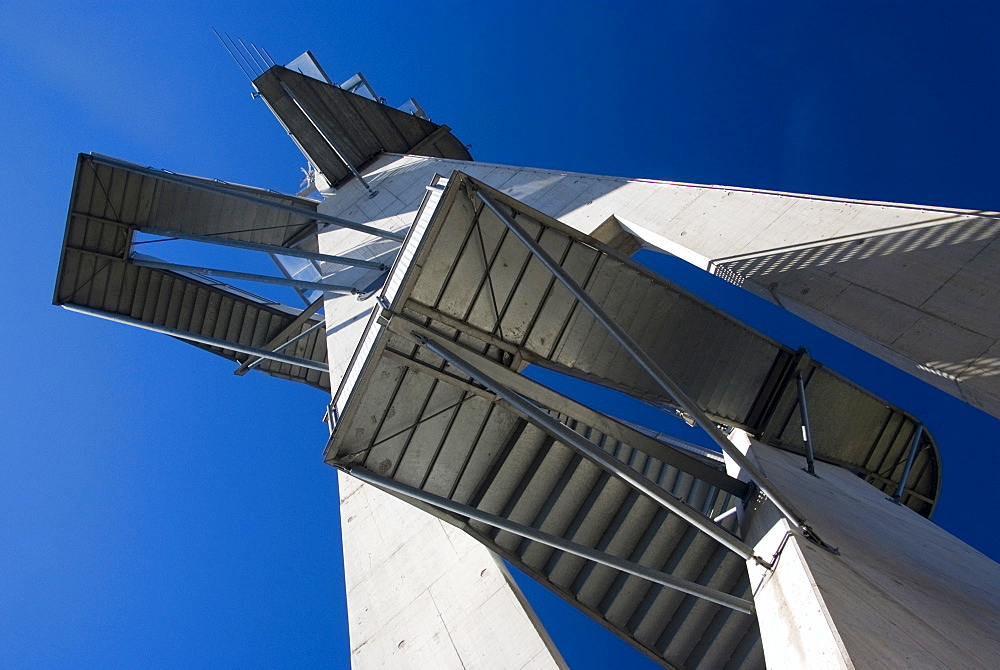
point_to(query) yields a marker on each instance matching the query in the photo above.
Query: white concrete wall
(913, 285)
(422, 594)
(902, 593)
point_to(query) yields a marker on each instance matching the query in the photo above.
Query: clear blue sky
(157, 511)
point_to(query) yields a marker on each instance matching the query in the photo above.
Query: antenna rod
(268, 56)
(261, 55)
(226, 47)
(240, 53)
(250, 53)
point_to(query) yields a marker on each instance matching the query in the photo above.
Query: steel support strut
(267, 248)
(200, 339)
(284, 345)
(649, 365)
(807, 433)
(275, 343)
(247, 276)
(235, 192)
(588, 449)
(914, 448)
(697, 590)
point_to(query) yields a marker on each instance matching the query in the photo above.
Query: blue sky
(157, 511)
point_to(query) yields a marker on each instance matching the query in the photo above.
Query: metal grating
(112, 200)
(406, 414)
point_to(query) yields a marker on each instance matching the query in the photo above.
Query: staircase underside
(403, 413)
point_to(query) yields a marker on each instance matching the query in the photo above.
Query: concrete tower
(802, 540)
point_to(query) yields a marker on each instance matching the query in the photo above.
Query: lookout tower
(438, 298)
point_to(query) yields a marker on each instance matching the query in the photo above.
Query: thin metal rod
(343, 159)
(725, 515)
(268, 248)
(246, 276)
(237, 49)
(268, 56)
(300, 319)
(252, 57)
(807, 433)
(261, 56)
(606, 461)
(235, 192)
(200, 339)
(649, 365)
(281, 347)
(914, 448)
(683, 585)
(226, 47)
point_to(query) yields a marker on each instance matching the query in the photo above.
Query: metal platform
(98, 272)
(341, 131)
(434, 406)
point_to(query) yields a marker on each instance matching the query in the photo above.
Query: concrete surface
(902, 593)
(423, 594)
(912, 285)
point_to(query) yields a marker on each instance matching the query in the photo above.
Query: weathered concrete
(912, 285)
(423, 594)
(901, 593)
(844, 265)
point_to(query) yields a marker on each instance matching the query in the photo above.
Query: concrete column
(423, 594)
(901, 593)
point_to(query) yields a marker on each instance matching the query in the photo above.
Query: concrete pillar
(423, 594)
(901, 592)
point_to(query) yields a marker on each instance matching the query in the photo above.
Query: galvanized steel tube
(697, 590)
(914, 447)
(200, 339)
(247, 276)
(648, 364)
(571, 438)
(807, 433)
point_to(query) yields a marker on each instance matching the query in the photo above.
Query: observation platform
(434, 410)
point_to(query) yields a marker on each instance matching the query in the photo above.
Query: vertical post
(914, 447)
(649, 365)
(807, 434)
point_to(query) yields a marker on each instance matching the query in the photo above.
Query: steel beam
(200, 339)
(603, 558)
(267, 248)
(246, 276)
(281, 347)
(648, 364)
(676, 455)
(914, 447)
(807, 433)
(236, 192)
(588, 449)
(272, 344)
